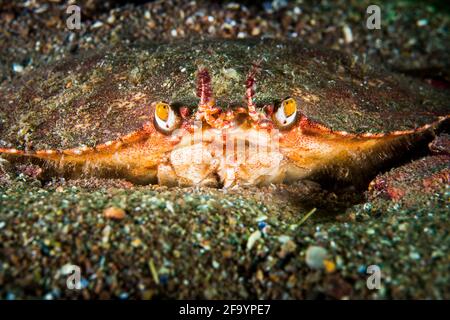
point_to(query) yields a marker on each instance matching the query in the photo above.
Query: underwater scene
(224, 150)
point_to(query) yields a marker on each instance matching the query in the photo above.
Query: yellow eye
(290, 106)
(165, 117)
(162, 111)
(286, 113)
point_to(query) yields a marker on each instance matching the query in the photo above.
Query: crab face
(216, 147)
(219, 146)
(226, 146)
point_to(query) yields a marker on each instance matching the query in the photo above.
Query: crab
(217, 113)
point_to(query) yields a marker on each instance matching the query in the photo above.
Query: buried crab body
(243, 141)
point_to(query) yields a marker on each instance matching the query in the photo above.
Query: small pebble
(348, 35)
(422, 22)
(255, 236)
(123, 296)
(329, 265)
(362, 269)
(48, 296)
(84, 283)
(262, 225)
(284, 238)
(97, 24)
(10, 296)
(114, 213)
(315, 257)
(403, 226)
(164, 279)
(17, 68)
(414, 255)
(136, 242)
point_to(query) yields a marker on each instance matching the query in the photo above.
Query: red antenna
(250, 85)
(204, 90)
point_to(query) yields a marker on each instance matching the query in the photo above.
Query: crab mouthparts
(224, 157)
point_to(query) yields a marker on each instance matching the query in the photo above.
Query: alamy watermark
(374, 280)
(73, 273)
(233, 144)
(73, 22)
(374, 19)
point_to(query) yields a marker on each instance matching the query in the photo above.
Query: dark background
(414, 36)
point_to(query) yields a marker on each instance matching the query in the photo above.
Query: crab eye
(165, 117)
(286, 113)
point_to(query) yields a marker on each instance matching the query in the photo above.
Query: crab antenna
(206, 108)
(250, 85)
(204, 90)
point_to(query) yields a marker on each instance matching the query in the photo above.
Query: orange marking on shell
(108, 145)
(71, 152)
(131, 137)
(372, 135)
(85, 149)
(342, 133)
(311, 126)
(11, 151)
(321, 127)
(45, 152)
(399, 133)
(14, 151)
(119, 142)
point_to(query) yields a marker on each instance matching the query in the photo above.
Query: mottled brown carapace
(245, 141)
